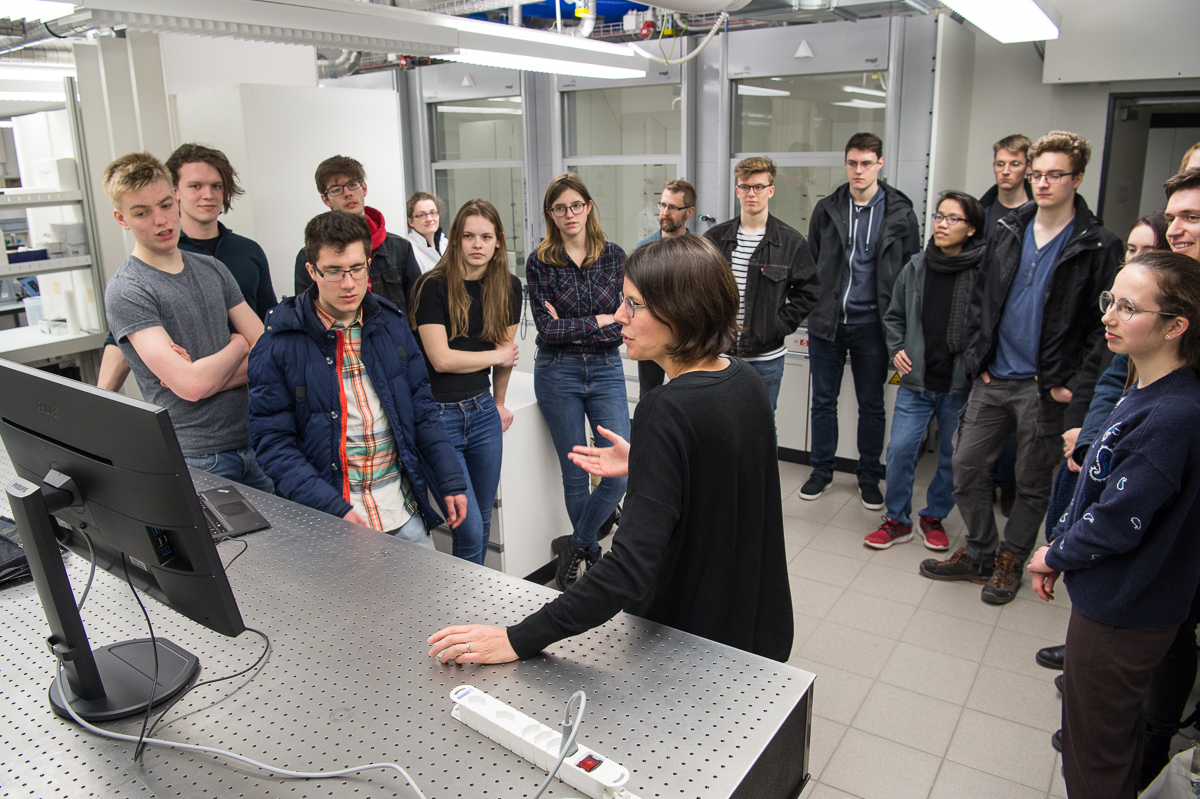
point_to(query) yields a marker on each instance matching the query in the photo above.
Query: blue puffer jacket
(295, 404)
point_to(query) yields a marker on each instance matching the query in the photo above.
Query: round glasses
(1125, 308)
(575, 208)
(746, 188)
(630, 306)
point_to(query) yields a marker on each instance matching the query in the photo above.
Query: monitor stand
(116, 680)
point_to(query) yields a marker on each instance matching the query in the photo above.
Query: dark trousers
(1106, 678)
(869, 366)
(1170, 686)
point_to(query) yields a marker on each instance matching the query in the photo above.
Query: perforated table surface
(349, 682)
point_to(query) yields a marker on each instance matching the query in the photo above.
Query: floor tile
(841, 542)
(812, 597)
(819, 510)
(959, 599)
(956, 781)
(825, 567)
(947, 634)
(1025, 700)
(907, 587)
(1003, 748)
(837, 693)
(849, 649)
(854, 517)
(908, 718)
(875, 768)
(931, 673)
(792, 476)
(1058, 786)
(826, 735)
(820, 790)
(907, 557)
(803, 627)
(871, 614)
(1040, 618)
(798, 532)
(1015, 651)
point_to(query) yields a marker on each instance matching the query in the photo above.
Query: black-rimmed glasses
(575, 208)
(358, 274)
(337, 189)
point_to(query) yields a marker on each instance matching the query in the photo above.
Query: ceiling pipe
(587, 23)
(22, 34)
(340, 67)
(516, 15)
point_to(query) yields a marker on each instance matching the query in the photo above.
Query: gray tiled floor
(922, 690)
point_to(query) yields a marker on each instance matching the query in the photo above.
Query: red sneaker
(935, 537)
(892, 532)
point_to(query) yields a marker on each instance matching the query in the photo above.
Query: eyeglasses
(336, 190)
(575, 208)
(863, 165)
(949, 220)
(672, 209)
(425, 215)
(358, 273)
(745, 188)
(630, 306)
(1051, 177)
(1125, 308)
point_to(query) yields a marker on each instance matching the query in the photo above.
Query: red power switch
(589, 763)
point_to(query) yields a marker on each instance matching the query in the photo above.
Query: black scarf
(964, 267)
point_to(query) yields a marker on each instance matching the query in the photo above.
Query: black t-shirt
(435, 310)
(935, 319)
(209, 245)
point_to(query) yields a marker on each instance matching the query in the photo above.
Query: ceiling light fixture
(864, 90)
(531, 63)
(745, 90)
(49, 74)
(44, 10)
(1008, 21)
(32, 97)
(861, 104)
(475, 109)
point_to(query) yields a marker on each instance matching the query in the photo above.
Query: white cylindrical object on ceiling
(702, 6)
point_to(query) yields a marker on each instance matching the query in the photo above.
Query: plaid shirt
(577, 295)
(372, 481)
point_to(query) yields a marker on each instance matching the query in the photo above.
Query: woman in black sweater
(700, 543)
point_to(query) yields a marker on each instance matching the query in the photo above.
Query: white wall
(276, 135)
(1164, 151)
(193, 63)
(1119, 40)
(954, 78)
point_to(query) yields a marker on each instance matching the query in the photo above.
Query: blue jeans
(569, 386)
(869, 365)
(237, 465)
(473, 427)
(414, 532)
(909, 421)
(772, 374)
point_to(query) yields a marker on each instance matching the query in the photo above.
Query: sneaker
(892, 532)
(934, 534)
(1006, 579)
(814, 486)
(957, 567)
(569, 557)
(872, 498)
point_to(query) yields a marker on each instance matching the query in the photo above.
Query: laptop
(229, 514)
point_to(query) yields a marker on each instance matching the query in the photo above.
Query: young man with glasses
(675, 208)
(342, 184)
(860, 236)
(340, 407)
(172, 312)
(776, 279)
(1033, 320)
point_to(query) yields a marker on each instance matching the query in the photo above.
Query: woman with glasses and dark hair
(574, 280)
(700, 543)
(1127, 543)
(465, 313)
(425, 229)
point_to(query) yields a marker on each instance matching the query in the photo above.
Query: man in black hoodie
(1033, 320)
(860, 237)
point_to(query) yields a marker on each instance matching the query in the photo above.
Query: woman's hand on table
(472, 643)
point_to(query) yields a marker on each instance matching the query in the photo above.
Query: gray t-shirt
(193, 307)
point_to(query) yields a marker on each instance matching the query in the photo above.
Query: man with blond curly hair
(1032, 321)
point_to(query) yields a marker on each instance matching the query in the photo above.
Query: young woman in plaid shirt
(575, 279)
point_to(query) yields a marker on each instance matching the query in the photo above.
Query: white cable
(304, 775)
(703, 43)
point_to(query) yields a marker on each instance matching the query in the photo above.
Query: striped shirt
(372, 480)
(739, 259)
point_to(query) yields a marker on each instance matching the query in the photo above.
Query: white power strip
(596, 776)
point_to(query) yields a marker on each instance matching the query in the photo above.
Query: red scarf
(378, 233)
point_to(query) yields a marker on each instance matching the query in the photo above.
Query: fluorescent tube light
(54, 74)
(861, 104)
(33, 97)
(529, 63)
(475, 109)
(761, 91)
(44, 10)
(864, 90)
(1007, 21)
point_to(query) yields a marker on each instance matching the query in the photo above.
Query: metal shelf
(45, 266)
(20, 198)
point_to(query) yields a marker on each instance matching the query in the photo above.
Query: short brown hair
(1063, 141)
(338, 166)
(133, 172)
(1188, 156)
(867, 143)
(1183, 181)
(1177, 292)
(418, 196)
(686, 189)
(336, 230)
(752, 166)
(687, 285)
(192, 153)
(1016, 143)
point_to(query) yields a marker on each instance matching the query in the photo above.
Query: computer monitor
(96, 465)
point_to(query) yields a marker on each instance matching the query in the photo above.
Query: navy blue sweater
(1128, 545)
(246, 261)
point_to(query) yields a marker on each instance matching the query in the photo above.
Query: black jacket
(828, 233)
(781, 284)
(394, 270)
(1070, 314)
(992, 195)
